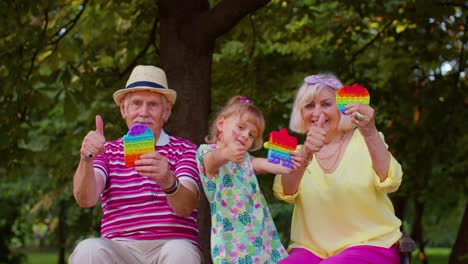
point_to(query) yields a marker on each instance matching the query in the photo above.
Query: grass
(434, 256)
(43, 258)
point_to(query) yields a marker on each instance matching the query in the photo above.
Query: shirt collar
(163, 139)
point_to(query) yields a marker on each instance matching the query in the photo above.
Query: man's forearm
(184, 200)
(85, 187)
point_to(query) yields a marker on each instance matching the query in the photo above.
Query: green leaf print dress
(242, 228)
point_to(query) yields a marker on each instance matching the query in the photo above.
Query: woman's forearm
(292, 181)
(379, 154)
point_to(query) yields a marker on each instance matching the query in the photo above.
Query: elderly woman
(342, 213)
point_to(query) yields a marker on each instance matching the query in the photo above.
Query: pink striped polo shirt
(134, 206)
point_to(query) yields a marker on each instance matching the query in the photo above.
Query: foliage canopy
(60, 62)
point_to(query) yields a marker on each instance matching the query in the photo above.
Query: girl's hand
(363, 116)
(234, 152)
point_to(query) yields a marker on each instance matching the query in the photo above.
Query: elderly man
(149, 213)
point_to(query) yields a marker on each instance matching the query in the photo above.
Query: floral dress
(242, 228)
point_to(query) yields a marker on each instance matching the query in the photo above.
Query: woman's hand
(300, 160)
(364, 117)
(315, 138)
(290, 181)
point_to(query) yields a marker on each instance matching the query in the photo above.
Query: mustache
(145, 120)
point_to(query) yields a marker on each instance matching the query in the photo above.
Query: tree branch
(461, 60)
(254, 37)
(36, 52)
(227, 14)
(69, 26)
(368, 44)
(461, 4)
(149, 43)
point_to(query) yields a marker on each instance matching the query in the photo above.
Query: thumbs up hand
(315, 137)
(234, 152)
(99, 125)
(93, 142)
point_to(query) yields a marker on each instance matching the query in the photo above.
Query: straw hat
(146, 78)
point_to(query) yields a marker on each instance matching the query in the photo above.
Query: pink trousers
(353, 255)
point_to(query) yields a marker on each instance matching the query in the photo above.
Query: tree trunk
(186, 59)
(459, 253)
(399, 203)
(189, 29)
(61, 232)
(417, 231)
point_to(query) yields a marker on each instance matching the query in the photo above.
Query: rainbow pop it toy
(138, 141)
(279, 146)
(351, 94)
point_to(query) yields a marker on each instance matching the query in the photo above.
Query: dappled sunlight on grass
(43, 258)
(434, 256)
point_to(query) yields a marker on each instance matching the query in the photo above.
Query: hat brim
(170, 94)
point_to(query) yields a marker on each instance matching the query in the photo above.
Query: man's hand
(93, 142)
(155, 166)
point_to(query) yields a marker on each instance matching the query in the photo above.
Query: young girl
(242, 227)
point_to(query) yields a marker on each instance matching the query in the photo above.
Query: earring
(219, 136)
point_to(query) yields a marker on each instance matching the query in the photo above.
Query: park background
(61, 61)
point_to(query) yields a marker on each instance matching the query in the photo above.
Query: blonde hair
(242, 107)
(306, 93)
